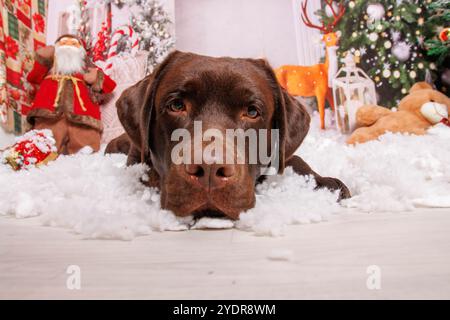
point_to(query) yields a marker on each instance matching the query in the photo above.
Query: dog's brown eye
(177, 106)
(252, 112)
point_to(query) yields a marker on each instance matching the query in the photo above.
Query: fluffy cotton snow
(97, 196)
(213, 223)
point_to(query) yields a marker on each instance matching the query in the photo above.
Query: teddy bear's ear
(420, 86)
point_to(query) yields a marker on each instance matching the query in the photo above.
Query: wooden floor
(325, 260)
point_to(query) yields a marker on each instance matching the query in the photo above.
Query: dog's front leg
(302, 168)
(134, 156)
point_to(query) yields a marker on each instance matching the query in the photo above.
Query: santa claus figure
(64, 101)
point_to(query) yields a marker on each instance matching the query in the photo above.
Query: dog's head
(183, 119)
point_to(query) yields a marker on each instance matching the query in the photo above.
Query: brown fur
(216, 90)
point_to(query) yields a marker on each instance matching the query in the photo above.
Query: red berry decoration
(444, 35)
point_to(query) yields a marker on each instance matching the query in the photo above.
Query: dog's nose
(211, 175)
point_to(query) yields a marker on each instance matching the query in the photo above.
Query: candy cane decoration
(119, 33)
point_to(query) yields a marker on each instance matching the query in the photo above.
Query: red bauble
(444, 35)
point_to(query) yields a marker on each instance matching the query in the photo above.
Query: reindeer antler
(306, 20)
(337, 15)
(324, 28)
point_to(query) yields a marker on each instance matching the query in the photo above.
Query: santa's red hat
(80, 40)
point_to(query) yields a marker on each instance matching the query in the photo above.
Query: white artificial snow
(213, 223)
(97, 196)
(432, 202)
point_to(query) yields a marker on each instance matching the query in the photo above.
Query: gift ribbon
(61, 81)
(445, 121)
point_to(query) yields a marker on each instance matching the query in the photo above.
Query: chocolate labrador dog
(221, 93)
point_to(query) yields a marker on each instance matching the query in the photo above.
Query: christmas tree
(438, 46)
(387, 39)
(152, 23)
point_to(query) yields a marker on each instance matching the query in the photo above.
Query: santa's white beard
(69, 59)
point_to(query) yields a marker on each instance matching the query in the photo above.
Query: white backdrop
(247, 28)
(238, 28)
(120, 16)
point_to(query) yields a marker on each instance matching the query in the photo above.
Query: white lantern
(352, 88)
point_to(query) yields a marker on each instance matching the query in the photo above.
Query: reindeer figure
(315, 80)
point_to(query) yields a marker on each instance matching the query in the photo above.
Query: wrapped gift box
(22, 31)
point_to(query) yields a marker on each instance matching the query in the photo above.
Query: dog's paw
(334, 184)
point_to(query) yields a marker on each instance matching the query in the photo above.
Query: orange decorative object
(315, 80)
(444, 34)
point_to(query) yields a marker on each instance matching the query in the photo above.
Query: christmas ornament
(352, 88)
(444, 34)
(395, 36)
(375, 11)
(373, 37)
(402, 51)
(34, 148)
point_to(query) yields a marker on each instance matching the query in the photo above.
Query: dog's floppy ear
(290, 117)
(135, 106)
(296, 120)
(129, 107)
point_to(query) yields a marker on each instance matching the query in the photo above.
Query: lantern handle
(349, 60)
(350, 67)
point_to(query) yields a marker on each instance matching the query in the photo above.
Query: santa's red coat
(47, 93)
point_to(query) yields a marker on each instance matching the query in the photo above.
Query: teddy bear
(422, 108)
